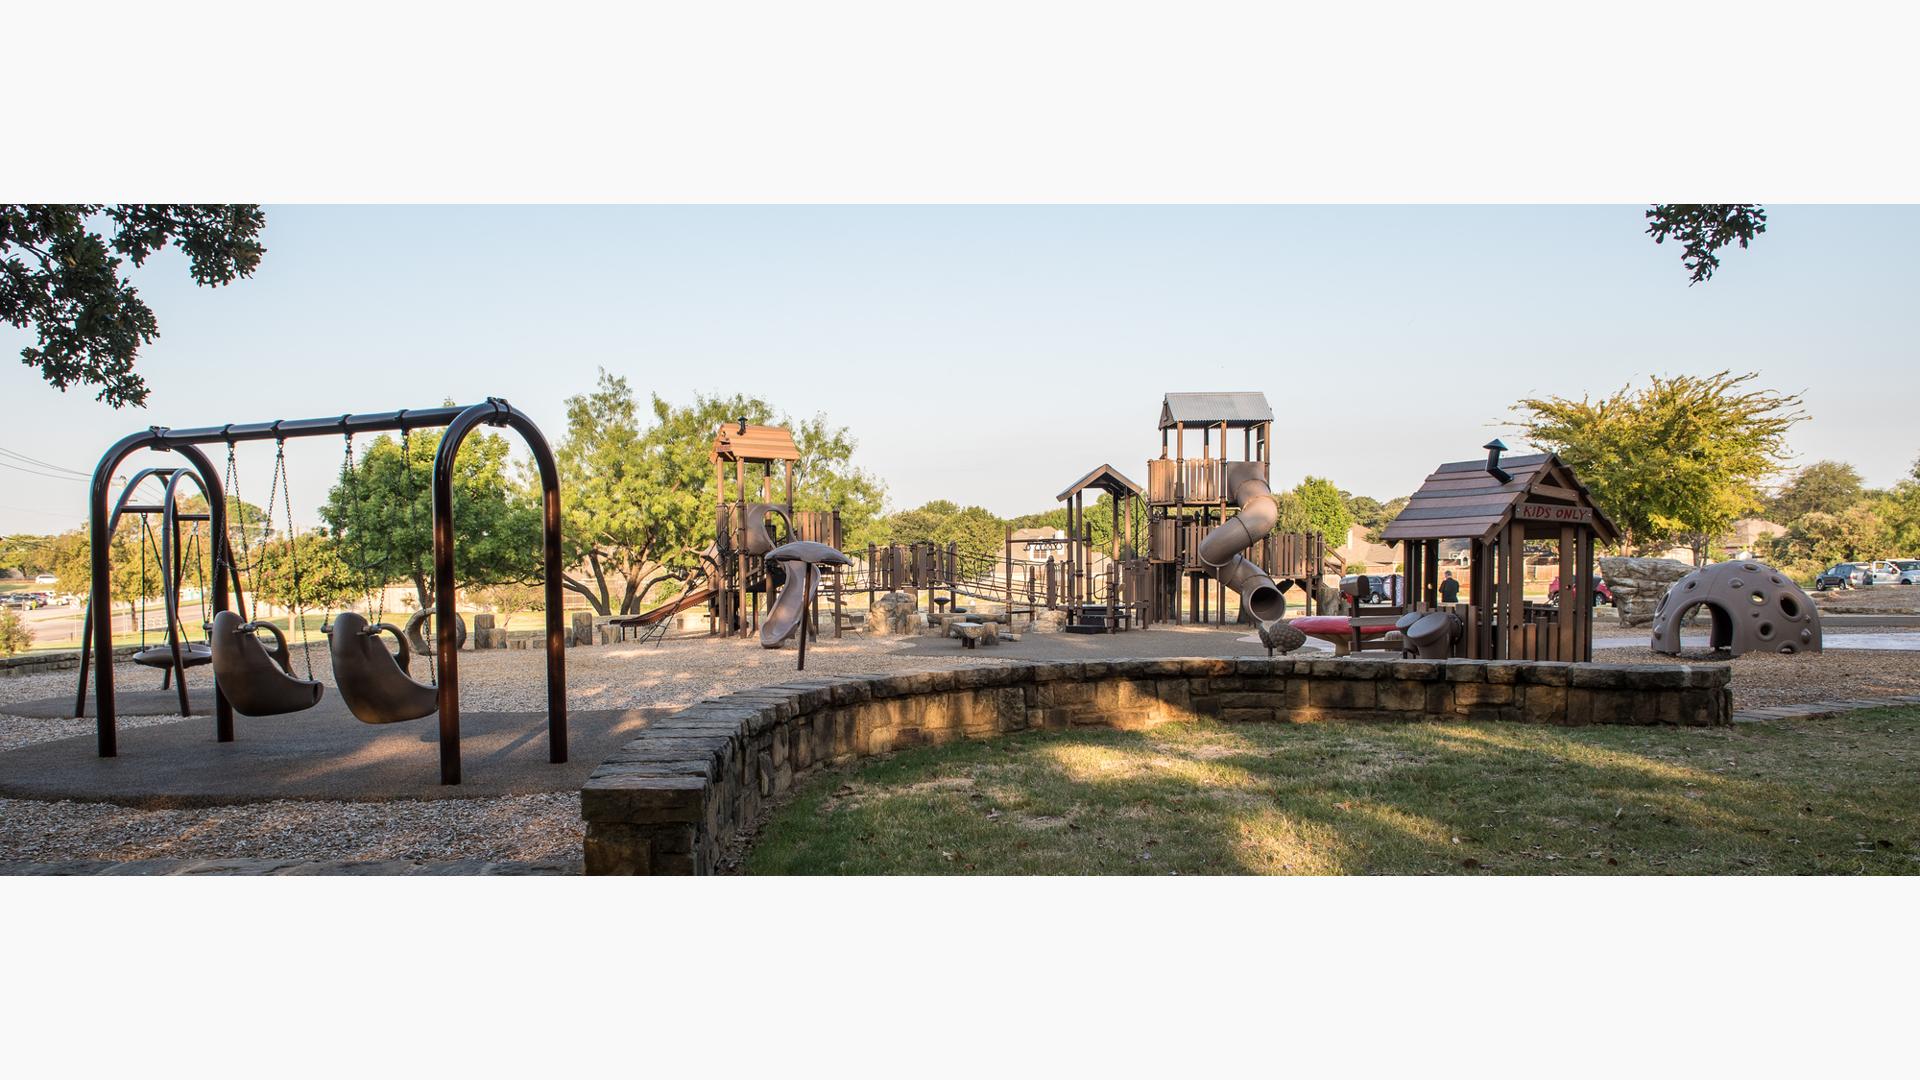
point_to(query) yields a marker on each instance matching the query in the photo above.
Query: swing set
(176, 653)
(255, 680)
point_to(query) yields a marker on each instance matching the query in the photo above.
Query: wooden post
(1584, 595)
(1514, 597)
(1480, 599)
(1564, 644)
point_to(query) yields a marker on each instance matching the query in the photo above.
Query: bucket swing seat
(374, 682)
(256, 680)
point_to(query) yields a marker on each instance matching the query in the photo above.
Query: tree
(60, 275)
(381, 514)
(131, 580)
(1828, 487)
(1291, 515)
(1373, 515)
(922, 524)
(639, 500)
(509, 598)
(825, 479)
(26, 553)
(1820, 537)
(1681, 459)
(1703, 229)
(14, 635)
(639, 505)
(1899, 510)
(325, 579)
(1324, 509)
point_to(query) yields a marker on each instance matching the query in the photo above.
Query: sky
(993, 354)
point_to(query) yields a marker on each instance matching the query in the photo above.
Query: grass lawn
(1831, 796)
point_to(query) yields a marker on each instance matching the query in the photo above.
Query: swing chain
(283, 483)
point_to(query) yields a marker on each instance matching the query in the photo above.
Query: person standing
(1449, 589)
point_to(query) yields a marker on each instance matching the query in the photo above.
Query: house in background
(1358, 550)
(1037, 545)
(1743, 540)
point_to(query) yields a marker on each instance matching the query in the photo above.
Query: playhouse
(1497, 507)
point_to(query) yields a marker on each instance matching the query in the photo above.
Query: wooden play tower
(753, 515)
(1189, 497)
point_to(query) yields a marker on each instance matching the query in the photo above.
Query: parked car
(1844, 575)
(29, 601)
(1381, 588)
(1882, 572)
(1909, 571)
(1601, 594)
(46, 579)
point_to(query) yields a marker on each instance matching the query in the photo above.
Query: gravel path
(1762, 679)
(547, 827)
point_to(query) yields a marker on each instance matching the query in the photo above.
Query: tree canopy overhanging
(1702, 229)
(60, 275)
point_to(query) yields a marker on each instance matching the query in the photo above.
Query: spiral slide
(798, 560)
(1221, 548)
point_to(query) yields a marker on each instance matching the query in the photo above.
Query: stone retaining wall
(669, 801)
(35, 663)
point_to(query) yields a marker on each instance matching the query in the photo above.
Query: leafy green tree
(1324, 509)
(825, 479)
(1856, 532)
(638, 501)
(508, 599)
(922, 524)
(1828, 487)
(974, 532)
(247, 524)
(26, 553)
(1099, 522)
(14, 635)
(1292, 515)
(1373, 515)
(325, 579)
(381, 513)
(60, 274)
(1679, 460)
(1899, 511)
(132, 582)
(1703, 229)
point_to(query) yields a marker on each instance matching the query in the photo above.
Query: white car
(1909, 571)
(1882, 572)
(46, 579)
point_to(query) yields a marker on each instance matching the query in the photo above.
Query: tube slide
(799, 560)
(756, 534)
(1221, 548)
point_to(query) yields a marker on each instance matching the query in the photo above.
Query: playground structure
(1497, 508)
(1751, 606)
(1211, 518)
(1116, 599)
(749, 525)
(373, 681)
(176, 654)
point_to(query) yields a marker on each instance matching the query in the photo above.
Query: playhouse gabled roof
(1461, 500)
(1107, 479)
(759, 443)
(1236, 410)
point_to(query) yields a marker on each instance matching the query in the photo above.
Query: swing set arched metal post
(458, 422)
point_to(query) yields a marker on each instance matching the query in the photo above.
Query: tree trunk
(420, 588)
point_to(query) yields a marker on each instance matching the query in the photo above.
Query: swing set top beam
(347, 424)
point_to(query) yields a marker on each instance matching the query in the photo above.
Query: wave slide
(800, 561)
(1220, 548)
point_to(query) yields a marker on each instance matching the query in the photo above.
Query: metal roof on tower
(1236, 410)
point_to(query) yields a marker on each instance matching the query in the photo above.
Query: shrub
(14, 635)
